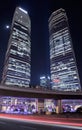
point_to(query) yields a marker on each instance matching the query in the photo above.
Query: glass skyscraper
(45, 81)
(64, 74)
(18, 56)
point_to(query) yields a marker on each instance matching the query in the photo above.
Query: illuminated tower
(64, 74)
(17, 60)
(45, 81)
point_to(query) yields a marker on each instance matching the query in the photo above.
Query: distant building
(45, 81)
(17, 60)
(64, 73)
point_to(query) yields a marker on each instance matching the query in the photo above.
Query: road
(8, 124)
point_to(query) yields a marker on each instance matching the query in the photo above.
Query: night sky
(39, 11)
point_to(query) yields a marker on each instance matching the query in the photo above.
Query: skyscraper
(64, 74)
(45, 81)
(18, 56)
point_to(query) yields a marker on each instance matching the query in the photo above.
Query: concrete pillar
(59, 108)
(40, 105)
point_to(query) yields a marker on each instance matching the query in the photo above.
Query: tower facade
(17, 65)
(64, 74)
(45, 81)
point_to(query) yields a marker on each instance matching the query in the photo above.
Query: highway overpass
(37, 93)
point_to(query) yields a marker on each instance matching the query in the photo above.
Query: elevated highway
(37, 93)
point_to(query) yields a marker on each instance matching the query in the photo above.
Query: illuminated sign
(56, 80)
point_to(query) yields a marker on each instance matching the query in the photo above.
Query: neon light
(23, 10)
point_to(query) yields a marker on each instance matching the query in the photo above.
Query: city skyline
(40, 41)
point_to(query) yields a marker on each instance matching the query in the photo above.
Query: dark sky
(39, 11)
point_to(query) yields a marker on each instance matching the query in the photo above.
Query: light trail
(50, 123)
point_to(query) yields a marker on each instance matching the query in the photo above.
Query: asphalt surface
(8, 124)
